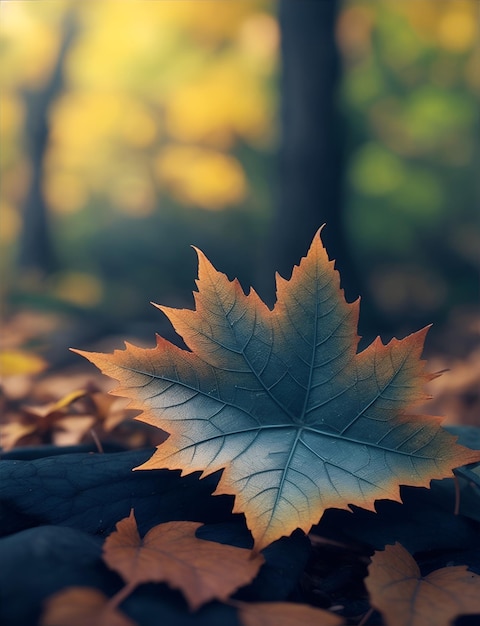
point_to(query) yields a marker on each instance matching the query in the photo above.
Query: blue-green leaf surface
(282, 401)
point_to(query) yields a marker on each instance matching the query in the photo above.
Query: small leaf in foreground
(406, 598)
(171, 553)
(286, 614)
(82, 606)
(283, 403)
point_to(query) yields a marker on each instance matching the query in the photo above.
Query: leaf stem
(121, 595)
(456, 482)
(97, 441)
(366, 617)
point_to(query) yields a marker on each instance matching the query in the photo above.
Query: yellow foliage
(139, 128)
(214, 109)
(78, 288)
(149, 30)
(35, 60)
(20, 362)
(210, 20)
(134, 193)
(80, 122)
(259, 38)
(452, 24)
(458, 28)
(115, 35)
(11, 113)
(422, 15)
(135, 71)
(9, 222)
(65, 192)
(202, 177)
(88, 134)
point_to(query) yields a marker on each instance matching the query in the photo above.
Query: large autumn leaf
(283, 403)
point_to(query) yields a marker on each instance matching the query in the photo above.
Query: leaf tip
(77, 351)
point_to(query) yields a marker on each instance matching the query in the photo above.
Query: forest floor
(70, 448)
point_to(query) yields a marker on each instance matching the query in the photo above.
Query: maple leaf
(406, 598)
(171, 553)
(283, 403)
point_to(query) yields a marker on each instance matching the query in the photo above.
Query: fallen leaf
(406, 598)
(285, 614)
(283, 403)
(171, 553)
(16, 388)
(110, 411)
(12, 432)
(82, 606)
(71, 429)
(57, 406)
(456, 393)
(63, 421)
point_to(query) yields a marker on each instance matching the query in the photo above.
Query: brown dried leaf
(171, 553)
(110, 410)
(13, 432)
(457, 392)
(406, 598)
(63, 421)
(16, 388)
(82, 606)
(286, 614)
(71, 429)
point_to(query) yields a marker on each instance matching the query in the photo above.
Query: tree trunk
(35, 245)
(310, 160)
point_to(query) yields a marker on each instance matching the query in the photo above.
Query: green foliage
(411, 101)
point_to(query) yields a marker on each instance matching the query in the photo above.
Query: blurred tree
(36, 251)
(311, 155)
(411, 97)
(139, 141)
(163, 132)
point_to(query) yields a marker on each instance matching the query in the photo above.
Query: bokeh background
(132, 130)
